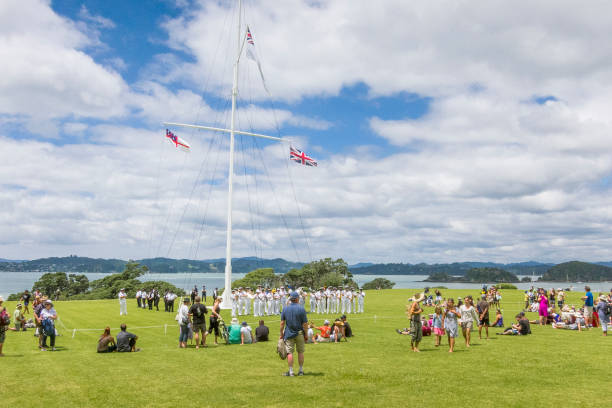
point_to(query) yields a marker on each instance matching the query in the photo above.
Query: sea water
(14, 282)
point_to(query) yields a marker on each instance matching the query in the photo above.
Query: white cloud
(46, 74)
(486, 174)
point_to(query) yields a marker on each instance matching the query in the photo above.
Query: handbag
(281, 349)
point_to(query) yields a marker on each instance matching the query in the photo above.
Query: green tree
(77, 284)
(262, 276)
(379, 283)
(49, 283)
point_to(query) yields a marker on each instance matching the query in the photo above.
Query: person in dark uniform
(194, 293)
(150, 299)
(204, 293)
(156, 299)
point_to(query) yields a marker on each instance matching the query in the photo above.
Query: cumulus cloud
(46, 74)
(510, 162)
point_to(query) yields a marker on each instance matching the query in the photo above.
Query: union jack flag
(301, 157)
(177, 141)
(250, 37)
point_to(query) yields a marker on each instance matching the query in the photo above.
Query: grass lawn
(557, 368)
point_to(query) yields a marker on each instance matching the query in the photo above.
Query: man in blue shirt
(294, 331)
(588, 307)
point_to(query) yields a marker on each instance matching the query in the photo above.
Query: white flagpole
(227, 301)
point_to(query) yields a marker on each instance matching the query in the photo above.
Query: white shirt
(45, 314)
(246, 331)
(122, 296)
(183, 313)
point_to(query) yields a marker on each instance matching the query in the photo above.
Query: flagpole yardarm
(238, 132)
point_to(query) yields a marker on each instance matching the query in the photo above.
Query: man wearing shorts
(588, 307)
(483, 315)
(294, 331)
(198, 311)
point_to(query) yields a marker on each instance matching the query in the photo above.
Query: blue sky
(477, 132)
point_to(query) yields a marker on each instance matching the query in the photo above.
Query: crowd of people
(450, 316)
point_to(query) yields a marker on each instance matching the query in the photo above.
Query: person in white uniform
(313, 301)
(122, 302)
(361, 300)
(262, 303)
(249, 300)
(256, 303)
(234, 297)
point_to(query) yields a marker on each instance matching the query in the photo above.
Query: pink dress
(543, 306)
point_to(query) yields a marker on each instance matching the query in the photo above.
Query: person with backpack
(5, 320)
(198, 312)
(604, 310)
(47, 317)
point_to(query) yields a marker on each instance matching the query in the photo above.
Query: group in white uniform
(335, 300)
(262, 302)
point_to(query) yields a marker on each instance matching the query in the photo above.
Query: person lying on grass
(520, 328)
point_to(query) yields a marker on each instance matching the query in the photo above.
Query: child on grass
(437, 325)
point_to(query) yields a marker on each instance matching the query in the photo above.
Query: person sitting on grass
(234, 332)
(336, 333)
(246, 334)
(499, 319)
(520, 328)
(346, 329)
(19, 319)
(126, 341)
(106, 342)
(311, 337)
(325, 332)
(261, 332)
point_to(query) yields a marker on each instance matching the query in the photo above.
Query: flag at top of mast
(301, 157)
(252, 54)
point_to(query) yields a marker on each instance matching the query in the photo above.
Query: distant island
(576, 271)
(455, 268)
(476, 275)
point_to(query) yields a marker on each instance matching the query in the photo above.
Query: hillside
(76, 264)
(578, 271)
(456, 268)
(476, 275)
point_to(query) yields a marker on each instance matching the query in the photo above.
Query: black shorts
(199, 327)
(484, 322)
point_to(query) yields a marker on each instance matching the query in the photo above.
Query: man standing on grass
(198, 311)
(588, 307)
(122, 302)
(294, 331)
(483, 315)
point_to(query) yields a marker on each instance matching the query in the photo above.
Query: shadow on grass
(12, 355)
(310, 374)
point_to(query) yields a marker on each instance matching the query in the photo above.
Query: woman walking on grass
(543, 310)
(468, 317)
(449, 321)
(414, 314)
